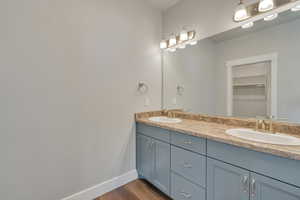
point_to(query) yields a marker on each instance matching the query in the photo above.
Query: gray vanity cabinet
(226, 182)
(153, 162)
(191, 168)
(229, 182)
(161, 171)
(145, 156)
(264, 188)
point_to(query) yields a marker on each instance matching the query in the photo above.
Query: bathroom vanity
(196, 160)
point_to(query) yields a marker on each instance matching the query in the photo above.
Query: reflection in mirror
(241, 72)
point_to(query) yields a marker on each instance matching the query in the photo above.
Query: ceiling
(163, 4)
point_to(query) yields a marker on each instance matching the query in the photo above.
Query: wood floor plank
(135, 190)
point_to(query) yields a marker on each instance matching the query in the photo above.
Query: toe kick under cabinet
(185, 167)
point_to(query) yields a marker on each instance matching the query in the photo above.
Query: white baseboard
(102, 188)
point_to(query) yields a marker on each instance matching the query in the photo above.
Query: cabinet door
(161, 172)
(145, 156)
(263, 188)
(226, 182)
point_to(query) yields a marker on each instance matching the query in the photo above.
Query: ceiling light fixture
(241, 12)
(265, 5)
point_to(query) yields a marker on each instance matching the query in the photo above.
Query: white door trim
(251, 60)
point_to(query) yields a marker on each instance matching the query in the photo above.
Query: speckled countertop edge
(216, 132)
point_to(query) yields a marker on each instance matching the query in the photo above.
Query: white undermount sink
(269, 138)
(163, 119)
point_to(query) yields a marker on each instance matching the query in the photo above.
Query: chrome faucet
(271, 127)
(265, 124)
(169, 113)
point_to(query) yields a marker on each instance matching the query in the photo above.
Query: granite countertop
(216, 132)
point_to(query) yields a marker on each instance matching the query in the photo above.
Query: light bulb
(184, 35)
(296, 8)
(194, 42)
(247, 25)
(172, 50)
(240, 12)
(172, 40)
(265, 5)
(271, 17)
(163, 44)
(191, 35)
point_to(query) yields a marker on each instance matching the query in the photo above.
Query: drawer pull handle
(185, 195)
(245, 184)
(149, 146)
(253, 187)
(187, 165)
(189, 142)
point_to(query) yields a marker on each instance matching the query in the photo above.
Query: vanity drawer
(189, 165)
(155, 132)
(189, 142)
(283, 169)
(182, 189)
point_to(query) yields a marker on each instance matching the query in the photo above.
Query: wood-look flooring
(135, 190)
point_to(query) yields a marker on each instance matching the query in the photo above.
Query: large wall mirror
(241, 72)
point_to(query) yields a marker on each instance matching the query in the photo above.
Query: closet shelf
(250, 85)
(249, 97)
(250, 76)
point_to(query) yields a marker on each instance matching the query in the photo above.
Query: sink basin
(256, 136)
(163, 119)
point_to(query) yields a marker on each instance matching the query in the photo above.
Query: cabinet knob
(187, 165)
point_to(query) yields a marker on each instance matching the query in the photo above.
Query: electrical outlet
(147, 101)
(174, 101)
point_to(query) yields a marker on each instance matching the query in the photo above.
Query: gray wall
(282, 39)
(68, 76)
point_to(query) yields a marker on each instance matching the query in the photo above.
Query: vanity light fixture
(192, 35)
(296, 8)
(247, 25)
(172, 40)
(241, 12)
(271, 17)
(247, 14)
(183, 35)
(179, 41)
(265, 5)
(163, 44)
